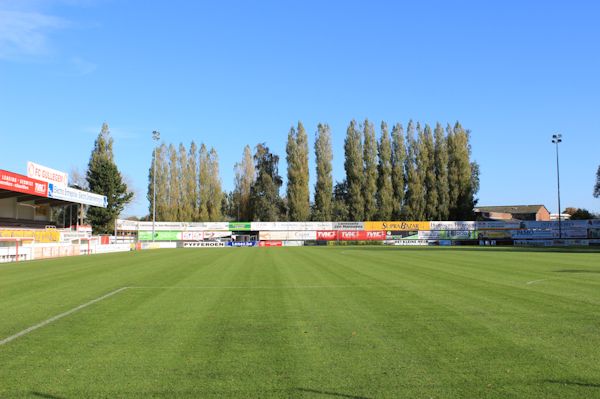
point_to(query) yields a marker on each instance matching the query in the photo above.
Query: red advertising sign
(327, 235)
(22, 184)
(270, 243)
(360, 235)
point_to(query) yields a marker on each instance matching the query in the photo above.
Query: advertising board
(287, 235)
(239, 226)
(497, 225)
(79, 196)
(23, 184)
(397, 226)
(49, 175)
(294, 226)
(242, 243)
(534, 243)
(448, 234)
(348, 226)
(409, 242)
(327, 235)
(352, 235)
(494, 234)
(201, 244)
(211, 235)
(40, 236)
(192, 235)
(160, 235)
(532, 234)
(270, 244)
(452, 226)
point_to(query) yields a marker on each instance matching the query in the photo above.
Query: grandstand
(28, 205)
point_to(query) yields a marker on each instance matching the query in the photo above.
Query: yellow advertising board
(397, 226)
(45, 236)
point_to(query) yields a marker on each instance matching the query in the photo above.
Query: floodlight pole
(557, 138)
(155, 137)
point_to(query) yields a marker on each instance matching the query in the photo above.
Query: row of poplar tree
(417, 174)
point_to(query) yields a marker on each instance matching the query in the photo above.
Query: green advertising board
(239, 226)
(159, 235)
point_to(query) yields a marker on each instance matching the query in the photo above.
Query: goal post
(15, 249)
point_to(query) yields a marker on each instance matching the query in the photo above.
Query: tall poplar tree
(245, 175)
(353, 164)
(428, 162)
(203, 183)
(324, 186)
(370, 170)
(385, 190)
(298, 197)
(441, 173)
(104, 178)
(460, 175)
(215, 193)
(186, 209)
(192, 180)
(264, 194)
(174, 185)
(398, 177)
(414, 201)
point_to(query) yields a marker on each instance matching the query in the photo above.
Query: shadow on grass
(337, 394)
(45, 395)
(577, 271)
(575, 383)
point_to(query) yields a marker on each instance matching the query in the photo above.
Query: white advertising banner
(44, 173)
(72, 194)
(203, 244)
(126, 225)
(497, 225)
(538, 224)
(572, 224)
(212, 235)
(447, 235)
(452, 226)
(348, 226)
(291, 226)
(288, 235)
(192, 235)
(407, 242)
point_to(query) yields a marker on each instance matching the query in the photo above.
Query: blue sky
(235, 73)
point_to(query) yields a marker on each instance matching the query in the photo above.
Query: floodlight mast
(557, 138)
(155, 137)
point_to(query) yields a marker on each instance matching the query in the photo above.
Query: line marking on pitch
(242, 287)
(60, 316)
(536, 281)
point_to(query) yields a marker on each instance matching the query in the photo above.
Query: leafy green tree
(174, 185)
(340, 210)
(441, 173)
(427, 162)
(186, 209)
(104, 178)
(414, 207)
(370, 170)
(353, 164)
(324, 186)
(398, 161)
(581, 214)
(204, 184)
(245, 175)
(191, 181)
(385, 190)
(215, 193)
(264, 195)
(461, 176)
(597, 186)
(298, 196)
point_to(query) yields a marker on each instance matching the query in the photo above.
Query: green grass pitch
(313, 322)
